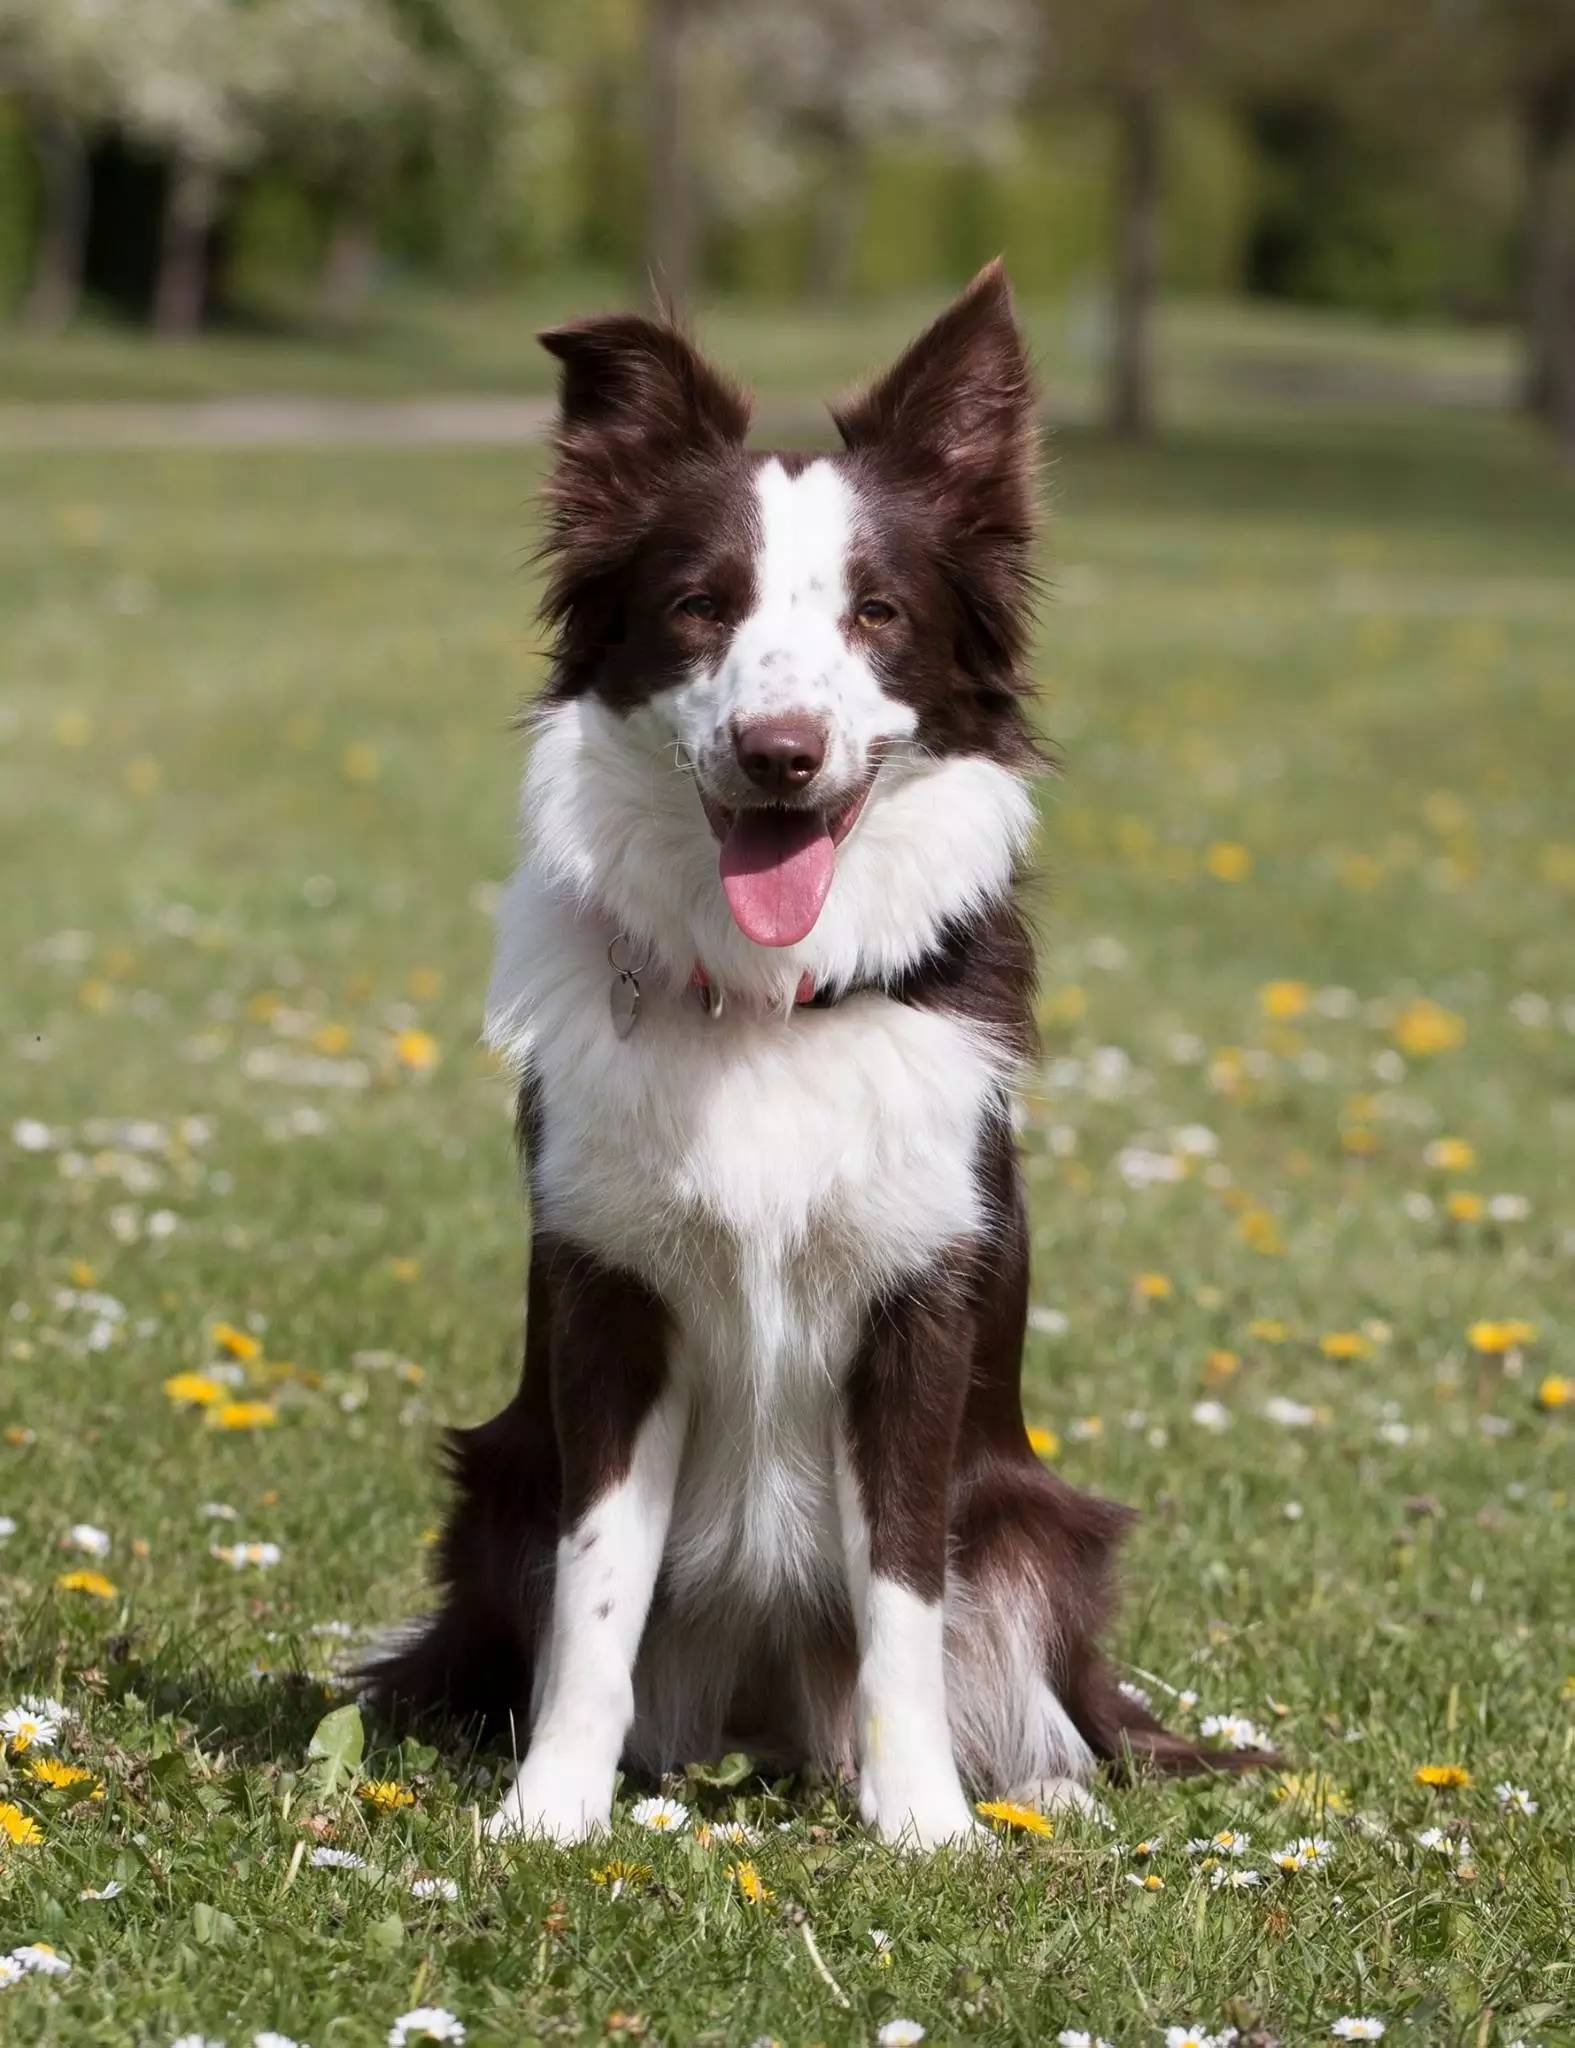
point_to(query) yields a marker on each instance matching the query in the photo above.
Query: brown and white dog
(765, 1484)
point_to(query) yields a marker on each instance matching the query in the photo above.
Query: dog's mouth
(777, 865)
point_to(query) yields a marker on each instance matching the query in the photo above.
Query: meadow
(1298, 1146)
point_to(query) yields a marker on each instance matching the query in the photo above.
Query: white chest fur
(769, 1176)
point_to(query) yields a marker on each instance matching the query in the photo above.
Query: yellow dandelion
(1227, 860)
(615, 1875)
(1464, 1207)
(193, 1389)
(1345, 1346)
(1451, 1155)
(1153, 1287)
(1311, 1788)
(1555, 1392)
(417, 1050)
(93, 1583)
(1258, 1230)
(243, 1415)
(1494, 1338)
(386, 1795)
(1044, 1443)
(82, 1274)
(59, 1776)
(1442, 1777)
(1009, 1814)
(1425, 1028)
(1282, 1000)
(236, 1343)
(1268, 1330)
(16, 1826)
(1220, 1365)
(751, 1886)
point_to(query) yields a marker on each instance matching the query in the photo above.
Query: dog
(762, 971)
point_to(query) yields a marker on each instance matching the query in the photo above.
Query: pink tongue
(777, 867)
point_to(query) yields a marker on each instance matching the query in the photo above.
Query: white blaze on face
(791, 654)
(790, 659)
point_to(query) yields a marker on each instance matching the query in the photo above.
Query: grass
(1311, 683)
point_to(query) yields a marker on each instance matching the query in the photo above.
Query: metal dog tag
(623, 999)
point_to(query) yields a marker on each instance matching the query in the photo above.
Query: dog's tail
(1122, 1731)
(465, 1669)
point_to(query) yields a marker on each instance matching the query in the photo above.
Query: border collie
(765, 1484)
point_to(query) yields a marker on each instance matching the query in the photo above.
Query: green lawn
(1311, 877)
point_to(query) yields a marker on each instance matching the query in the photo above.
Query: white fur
(909, 1789)
(606, 1573)
(792, 653)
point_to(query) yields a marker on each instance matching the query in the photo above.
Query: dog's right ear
(642, 384)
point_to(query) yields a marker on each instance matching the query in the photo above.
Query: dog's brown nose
(780, 755)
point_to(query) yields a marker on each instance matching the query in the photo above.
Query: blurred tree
(823, 84)
(670, 226)
(54, 60)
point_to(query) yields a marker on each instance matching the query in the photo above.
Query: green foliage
(17, 207)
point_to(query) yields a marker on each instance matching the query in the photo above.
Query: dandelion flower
(1228, 861)
(243, 1415)
(425, 2023)
(1283, 1000)
(236, 1343)
(1514, 1798)
(385, 1794)
(1354, 2028)
(1044, 1443)
(49, 1770)
(751, 1886)
(900, 2034)
(615, 1875)
(416, 1050)
(193, 1389)
(1555, 1392)
(661, 1816)
(1424, 1029)
(1493, 1339)
(1011, 1815)
(1442, 1777)
(16, 1826)
(1345, 1346)
(93, 1583)
(1154, 1287)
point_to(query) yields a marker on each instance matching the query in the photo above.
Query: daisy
(10, 1973)
(268, 2039)
(426, 2023)
(84, 1537)
(661, 1816)
(1151, 1882)
(1456, 1847)
(900, 2034)
(337, 1859)
(29, 1726)
(7, 1527)
(112, 1890)
(37, 1958)
(434, 1888)
(195, 2041)
(240, 1555)
(1354, 2029)
(1228, 1842)
(1514, 1798)
(1188, 2037)
(1080, 2037)
(880, 1941)
(1236, 1729)
(1222, 1878)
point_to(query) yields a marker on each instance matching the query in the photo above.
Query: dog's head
(797, 634)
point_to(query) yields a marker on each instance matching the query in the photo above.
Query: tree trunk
(670, 212)
(1548, 129)
(181, 291)
(838, 216)
(348, 264)
(1139, 149)
(56, 290)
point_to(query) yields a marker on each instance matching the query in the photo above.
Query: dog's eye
(875, 611)
(698, 606)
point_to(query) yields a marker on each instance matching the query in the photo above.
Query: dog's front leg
(903, 1407)
(620, 1423)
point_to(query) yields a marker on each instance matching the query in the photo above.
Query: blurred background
(1353, 201)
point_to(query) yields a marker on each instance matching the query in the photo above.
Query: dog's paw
(921, 1821)
(556, 1813)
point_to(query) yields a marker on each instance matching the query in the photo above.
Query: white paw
(925, 1820)
(557, 1812)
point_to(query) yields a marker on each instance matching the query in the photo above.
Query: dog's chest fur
(770, 1177)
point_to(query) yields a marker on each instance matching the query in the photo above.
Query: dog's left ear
(643, 383)
(956, 410)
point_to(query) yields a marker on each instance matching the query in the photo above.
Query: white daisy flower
(1133, 1692)
(38, 1959)
(434, 1888)
(240, 1555)
(1236, 1729)
(1211, 1415)
(112, 1890)
(1351, 2028)
(1228, 1842)
(426, 2023)
(337, 1859)
(1514, 1798)
(10, 1973)
(7, 1527)
(1223, 1878)
(1289, 1414)
(83, 1536)
(29, 1135)
(1188, 2037)
(219, 1511)
(1508, 1208)
(661, 1816)
(1080, 2037)
(195, 2041)
(28, 1726)
(880, 1941)
(1456, 1847)
(900, 2034)
(1048, 1322)
(269, 2039)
